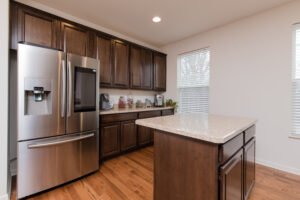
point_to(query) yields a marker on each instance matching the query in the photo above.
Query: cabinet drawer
(229, 148)
(249, 134)
(118, 117)
(149, 114)
(167, 112)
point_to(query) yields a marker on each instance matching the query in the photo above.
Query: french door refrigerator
(57, 118)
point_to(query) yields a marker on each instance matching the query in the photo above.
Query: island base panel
(184, 168)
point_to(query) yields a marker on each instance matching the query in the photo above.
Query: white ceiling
(180, 18)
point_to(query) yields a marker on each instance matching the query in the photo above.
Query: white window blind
(296, 83)
(193, 81)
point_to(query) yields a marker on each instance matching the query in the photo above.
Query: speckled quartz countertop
(128, 110)
(211, 128)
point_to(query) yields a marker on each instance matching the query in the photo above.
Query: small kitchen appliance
(158, 100)
(104, 102)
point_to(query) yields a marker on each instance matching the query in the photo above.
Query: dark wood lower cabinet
(110, 139)
(128, 135)
(231, 178)
(120, 134)
(249, 168)
(145, 135)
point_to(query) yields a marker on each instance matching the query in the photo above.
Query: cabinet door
(104, 54)
(249, 168)
(135, 67)
(231, 178)
(147, 70)
(128, 135)
(33, 26)
(160, 72)
(74, 39)
(121, 67)
(110, 139)
(145, 135)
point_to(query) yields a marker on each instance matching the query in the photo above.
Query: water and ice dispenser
(38, 97)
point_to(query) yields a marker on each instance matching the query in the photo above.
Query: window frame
(201, 87)
(296, 27)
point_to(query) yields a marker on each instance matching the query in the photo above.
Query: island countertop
(207, 127)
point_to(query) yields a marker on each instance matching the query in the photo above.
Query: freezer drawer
(46, 163)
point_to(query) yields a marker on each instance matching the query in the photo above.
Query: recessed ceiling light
(156, 19)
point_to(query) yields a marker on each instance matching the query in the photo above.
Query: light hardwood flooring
(130, 177)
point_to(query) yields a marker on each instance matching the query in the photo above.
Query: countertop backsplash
(114, 95)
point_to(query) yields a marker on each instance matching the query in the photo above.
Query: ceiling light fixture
(156, 19)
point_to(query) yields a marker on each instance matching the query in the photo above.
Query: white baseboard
(4, 197)
(288, 169)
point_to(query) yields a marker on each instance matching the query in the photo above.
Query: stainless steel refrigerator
(57, 118)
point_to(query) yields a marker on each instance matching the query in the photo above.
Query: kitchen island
(202, 157)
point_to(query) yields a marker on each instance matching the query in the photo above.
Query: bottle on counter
(122, 102)
(148, 103)
(139, 104)
(130, 102)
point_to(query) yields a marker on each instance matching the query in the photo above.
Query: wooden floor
(130, 177)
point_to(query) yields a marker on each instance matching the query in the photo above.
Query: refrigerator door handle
(62, 141)
(63, 100)
(69, 88)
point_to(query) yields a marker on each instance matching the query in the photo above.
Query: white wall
(251, 76)
(4, 99)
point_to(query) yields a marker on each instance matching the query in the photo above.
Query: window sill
(294, 136)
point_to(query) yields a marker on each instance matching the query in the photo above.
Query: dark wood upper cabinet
(121, 66)
(147, 69)
(74, 39)
(104, 54)
(160, 72)
(135, 67)
(33, 26)
(141, 68)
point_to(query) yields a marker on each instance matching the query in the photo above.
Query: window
(296, 82)
(193, 81)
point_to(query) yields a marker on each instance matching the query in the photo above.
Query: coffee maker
(158, 100)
